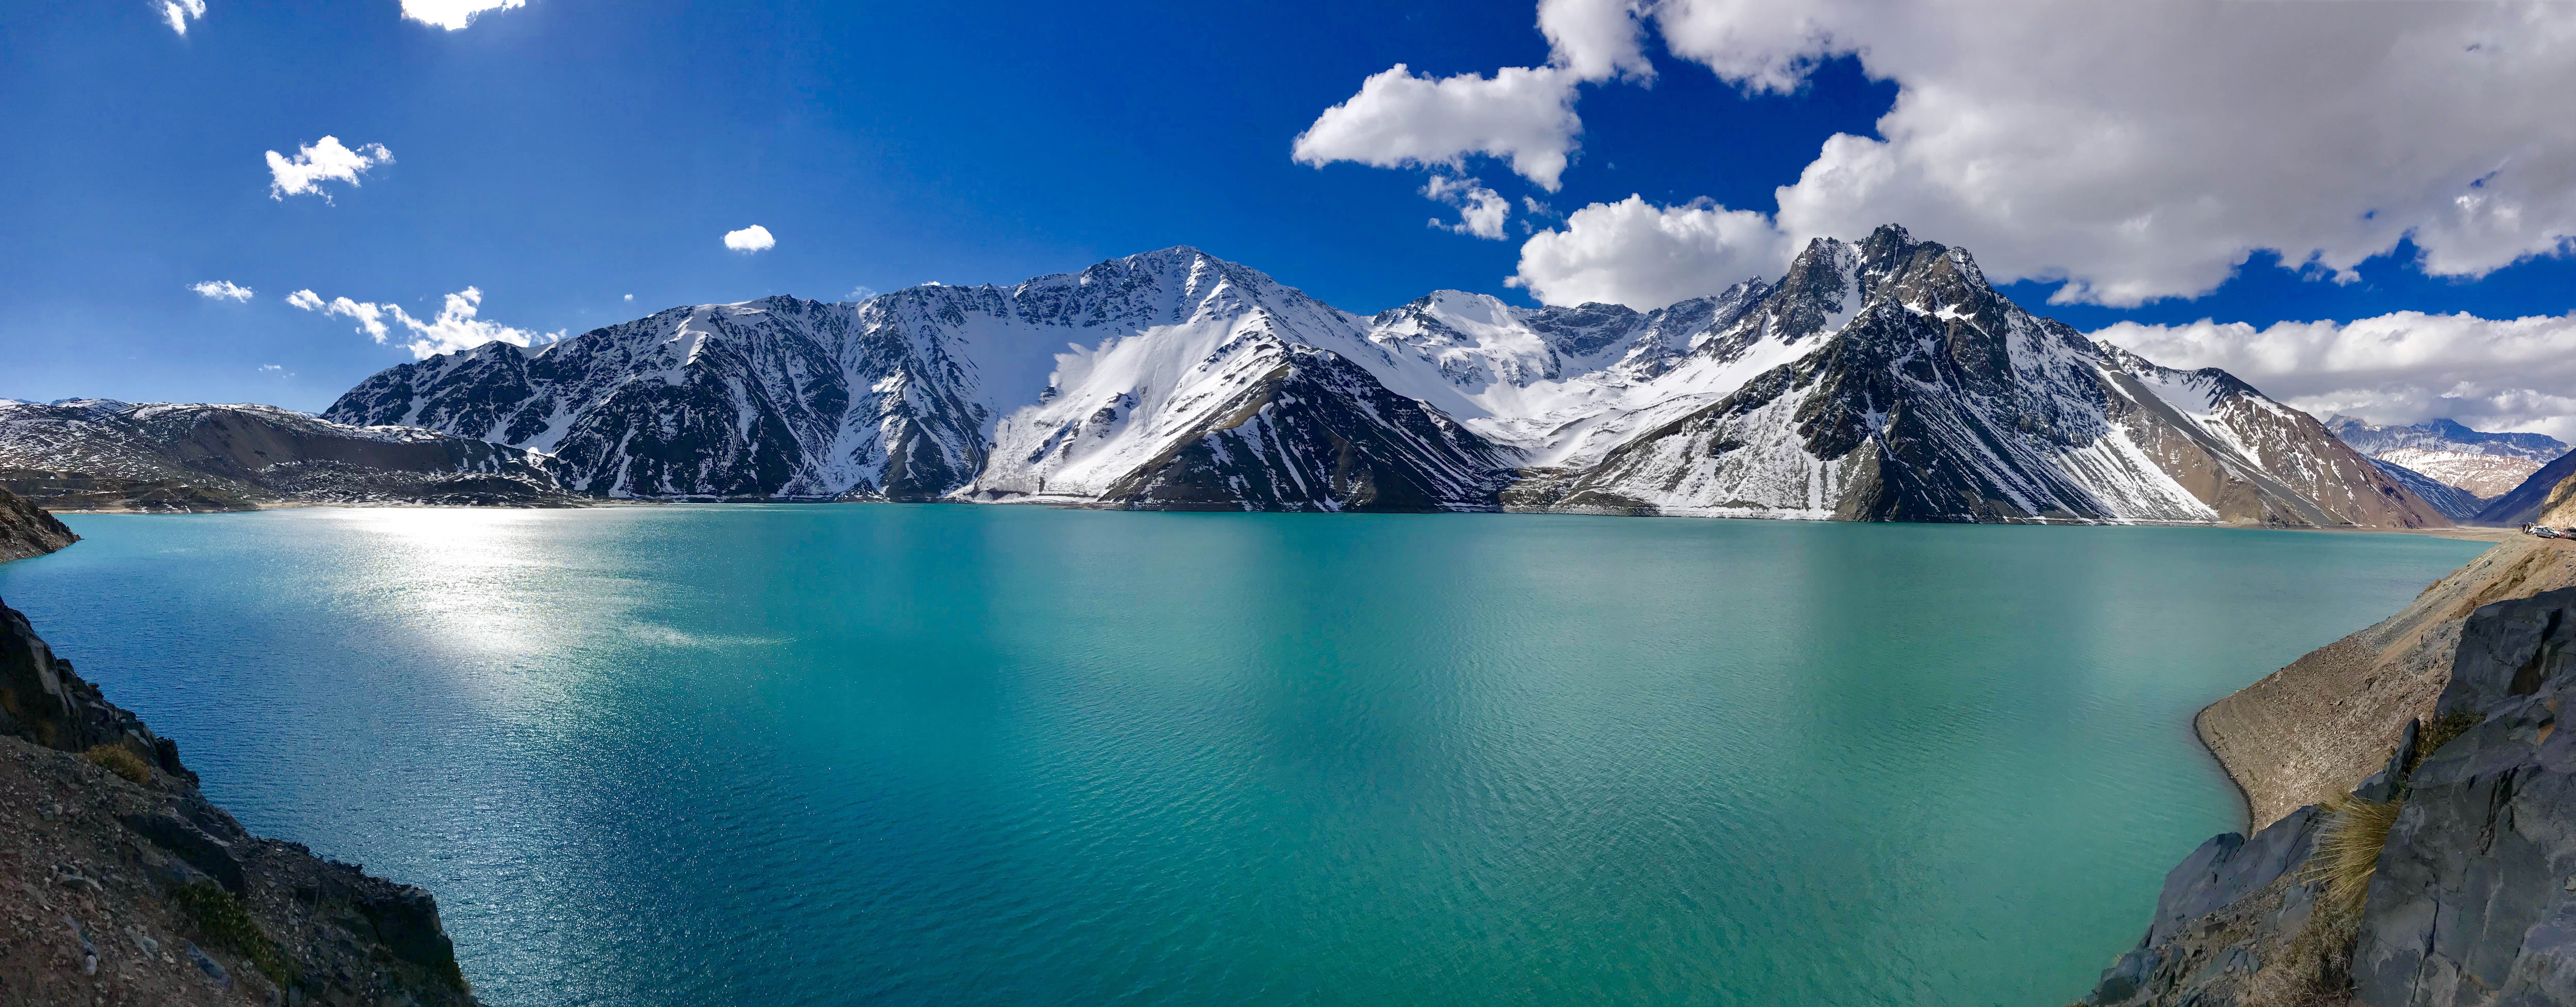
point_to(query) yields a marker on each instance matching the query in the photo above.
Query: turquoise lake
(953, 755)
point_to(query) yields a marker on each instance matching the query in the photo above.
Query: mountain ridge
(1067, 388)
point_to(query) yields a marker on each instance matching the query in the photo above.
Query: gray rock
(2469, 906)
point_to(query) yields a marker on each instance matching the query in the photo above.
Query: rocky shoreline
(2413, 815)
(121, 884)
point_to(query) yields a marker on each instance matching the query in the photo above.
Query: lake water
(950, 755)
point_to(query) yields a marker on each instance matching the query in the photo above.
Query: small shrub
(116, 759)
(227, 925)
(2448, 728)
(2348, 848)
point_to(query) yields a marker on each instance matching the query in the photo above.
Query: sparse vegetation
(2348, 848)
(227, 925)
(2315, 968)
(116, 759)
(2441, 732)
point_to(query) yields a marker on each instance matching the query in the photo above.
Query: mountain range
(1882, 379)
(95, 454)
(2478, 466)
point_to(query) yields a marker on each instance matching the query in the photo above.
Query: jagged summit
(1882, 378)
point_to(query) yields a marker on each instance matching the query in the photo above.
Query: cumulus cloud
(2492, 374)
(1522, 115)
(1596, 39)
(453, 15)
(324, 160)
(750, 239)
(1481, 211)
(2136, 151)
(457, 326)
(177, 13)
(1645, 256)
(861, 293)
(221, 289)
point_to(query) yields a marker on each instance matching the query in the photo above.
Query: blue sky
(565, 154)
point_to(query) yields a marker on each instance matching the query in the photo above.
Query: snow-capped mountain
(101, 454)
(1876, 380)
(2483, 464)
(2454, 503)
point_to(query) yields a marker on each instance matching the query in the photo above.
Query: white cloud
(453, 15)
(457, 326)
(630, 297)
(1596, 39)
(176, 13)
(2137, 151)
(221, 289)
(861, 293)
(325, 160)
(1481, 211)
(2492, 374)
(1645, 256)
(750, 239)
(1523, 115)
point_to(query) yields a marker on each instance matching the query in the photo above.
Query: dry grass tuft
(116, 759)
(2348, 847)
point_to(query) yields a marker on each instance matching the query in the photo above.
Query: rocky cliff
(120, 882)
(2442, 876)
(94, 454)
(26, 530)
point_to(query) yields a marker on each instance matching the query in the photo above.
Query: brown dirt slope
(2329, 719)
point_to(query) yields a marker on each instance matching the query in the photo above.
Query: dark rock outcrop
(2473, 899)
(26, 530)
(120, 881)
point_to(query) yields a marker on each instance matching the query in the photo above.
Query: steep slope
(1940, 400)
(93, 454)
(26, 530)
(2454, 503)
(1175, 379)
(2529, 502)
(121, 883)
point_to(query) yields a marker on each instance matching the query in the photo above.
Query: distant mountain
(94, 454)
(1879, 380)
(2443, 435)
(2454, 503)
(2484, 464)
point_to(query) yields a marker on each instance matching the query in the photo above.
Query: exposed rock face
(2541, 499)
(101, 455)
(1883, 380)
(26, 530)
(120, 882)
(2472, 902)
